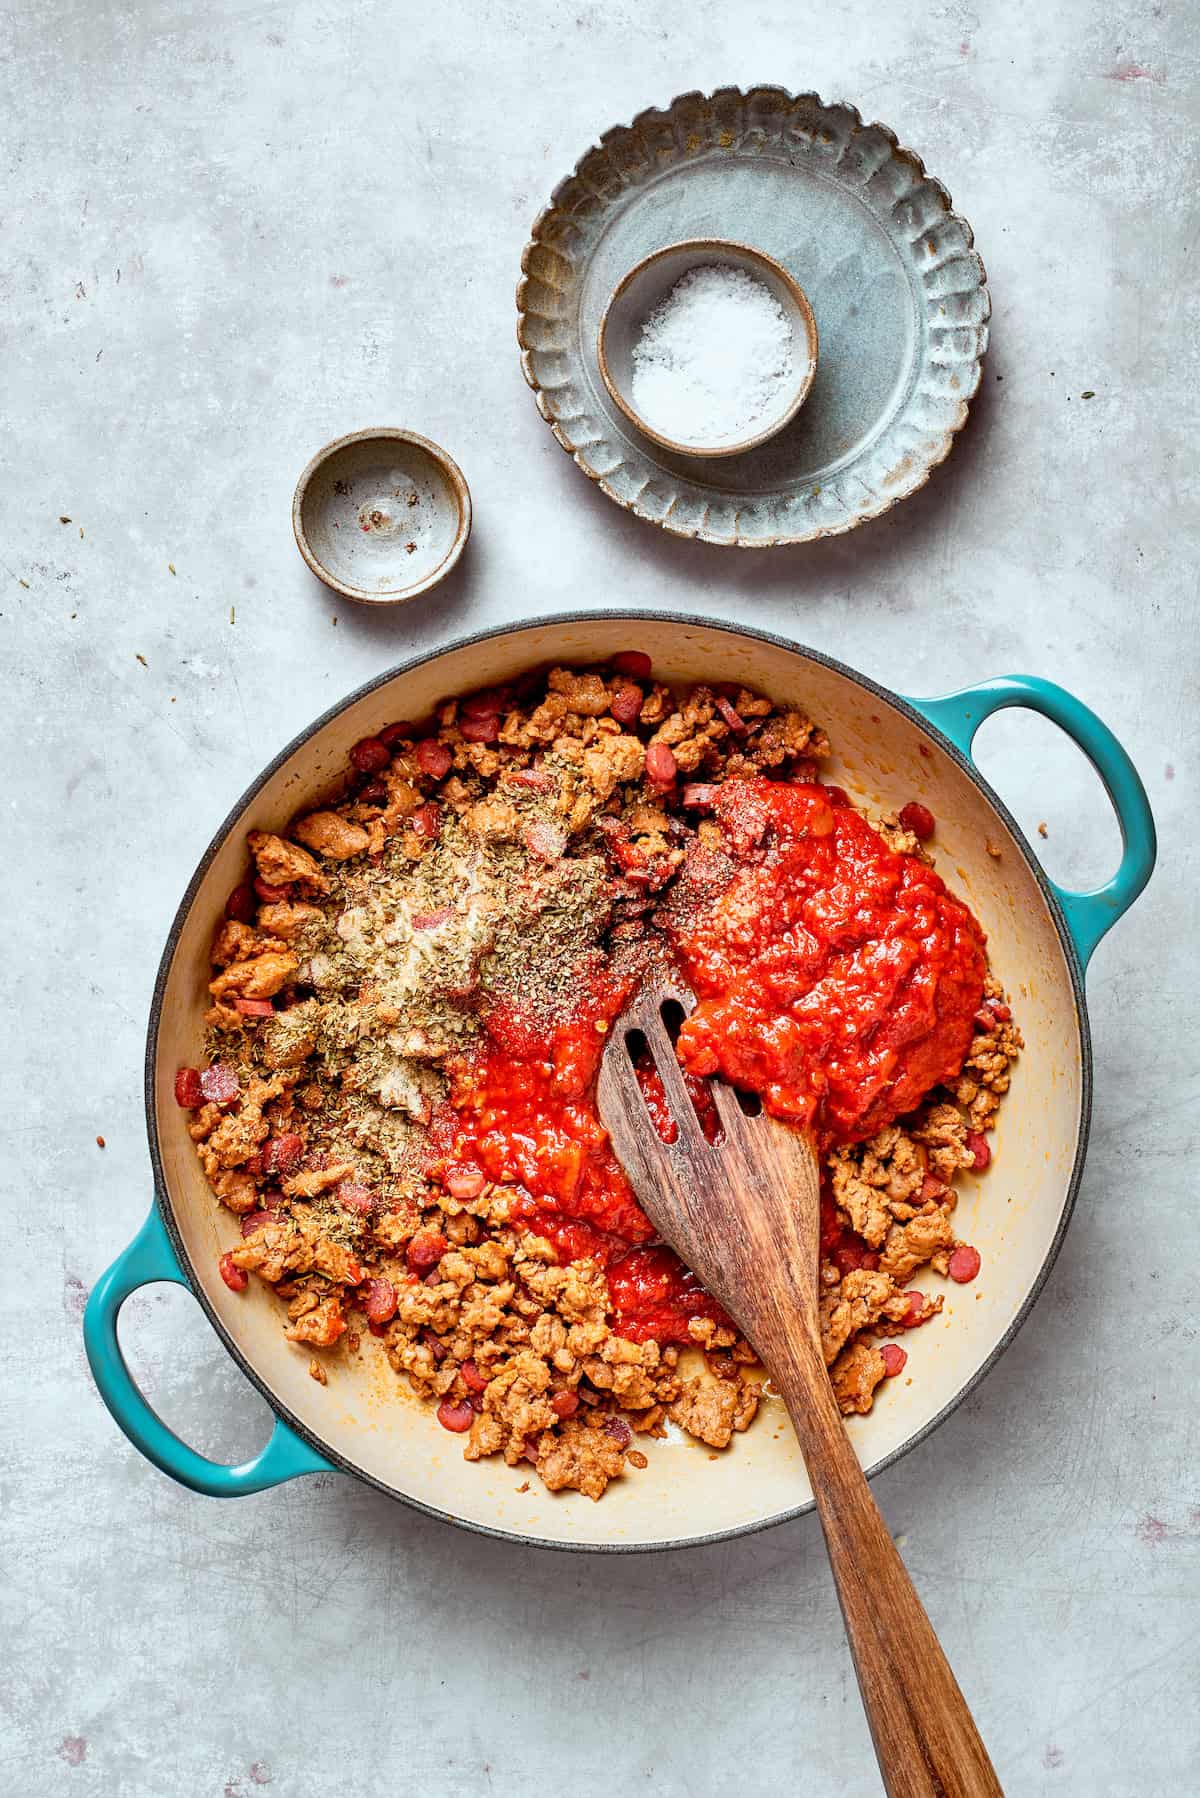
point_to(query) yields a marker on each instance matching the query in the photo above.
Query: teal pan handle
(1088, 915)
(149, 1258)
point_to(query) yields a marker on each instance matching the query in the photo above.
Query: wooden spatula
(743, 1214)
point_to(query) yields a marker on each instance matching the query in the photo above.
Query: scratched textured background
(233, 230)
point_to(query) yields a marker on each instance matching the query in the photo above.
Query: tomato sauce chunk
(655, 1295)
(835, 977)
(523, 1113)
(526, 1117)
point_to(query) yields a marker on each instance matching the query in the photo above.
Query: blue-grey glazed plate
(898, 290)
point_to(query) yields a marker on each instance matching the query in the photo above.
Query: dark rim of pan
(687, 621)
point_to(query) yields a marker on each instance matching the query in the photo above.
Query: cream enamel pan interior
(366, 1420)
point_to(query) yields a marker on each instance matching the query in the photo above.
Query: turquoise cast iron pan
(888, 750)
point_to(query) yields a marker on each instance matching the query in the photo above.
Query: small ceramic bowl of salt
(708, 347)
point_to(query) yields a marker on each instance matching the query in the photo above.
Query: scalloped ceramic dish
(899, 295)
(888, 750)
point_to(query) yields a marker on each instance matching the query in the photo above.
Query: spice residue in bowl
(713, 363)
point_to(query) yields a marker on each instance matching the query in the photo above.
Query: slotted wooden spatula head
(742, 1211)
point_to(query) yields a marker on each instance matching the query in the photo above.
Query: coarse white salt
(713, 363)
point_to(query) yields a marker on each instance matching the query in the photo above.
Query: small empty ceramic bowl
(649, 282)
(381, 515)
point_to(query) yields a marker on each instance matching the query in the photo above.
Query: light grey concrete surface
(234, 230)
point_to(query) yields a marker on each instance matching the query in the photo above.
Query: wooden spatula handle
(925, 1737)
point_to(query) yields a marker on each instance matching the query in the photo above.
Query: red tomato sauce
(655, 1295)
(524, 1114)
(655, 1094)
(835, 977)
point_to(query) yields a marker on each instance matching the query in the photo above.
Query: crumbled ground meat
(877, 1181)
(909, 1246)
(235, 941)
(322, 1326)
(712, 1410)
(261, 977)
(580, 1454)
(325, 1073)
(709, 1335)
(287, 920)
(855, 1304)
(280, 862)
(235, 1139)
(314, 1181)
(855, 1375)
(985, 1075)
(943, 1131)
(693, 733)
(626, 1370)
(331, 836)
